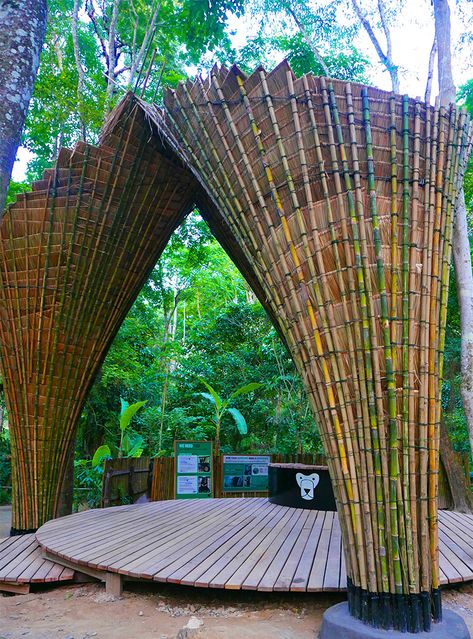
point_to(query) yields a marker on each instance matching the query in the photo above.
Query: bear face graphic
(307, 483)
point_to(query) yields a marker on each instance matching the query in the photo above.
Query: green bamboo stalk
(386, 330)
(367, 336)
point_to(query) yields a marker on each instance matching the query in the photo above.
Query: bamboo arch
(336, 201)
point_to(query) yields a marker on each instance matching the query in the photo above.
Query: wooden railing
(162, 483)
(125, 480)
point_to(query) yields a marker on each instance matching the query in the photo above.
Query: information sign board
(193, 470)
(245, 473)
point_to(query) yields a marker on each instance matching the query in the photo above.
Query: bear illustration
(307, 483)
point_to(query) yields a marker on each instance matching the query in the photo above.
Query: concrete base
(339, 624)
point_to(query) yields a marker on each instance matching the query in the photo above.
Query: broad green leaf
(100, 454)
(135, 446)
(127, 415)
(247, 388)
(208, 396)
(217, 400)
(239, 420)
(124, 406)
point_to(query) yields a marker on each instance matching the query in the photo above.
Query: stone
(337, 623)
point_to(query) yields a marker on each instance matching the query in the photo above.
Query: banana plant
(222, 406)
(131, 443)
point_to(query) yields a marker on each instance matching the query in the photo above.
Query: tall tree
(385, 53)
(461, 242)
(21, 39)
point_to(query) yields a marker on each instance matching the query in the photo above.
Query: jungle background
(196, 319)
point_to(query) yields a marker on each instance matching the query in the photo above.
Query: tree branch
(385, 58)
(90, 9)
(430, 71)
(112, 54)
(80, 69)
(149, 34)
(308, 39)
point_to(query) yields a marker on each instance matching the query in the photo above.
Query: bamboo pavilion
(336, 202)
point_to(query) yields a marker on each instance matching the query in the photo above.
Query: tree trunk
(464, 279)
(447, 92)
(462, 498)
(21, 40)
(66, 497)
(460, 240)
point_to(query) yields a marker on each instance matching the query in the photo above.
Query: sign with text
(243, 473)
(193, 470)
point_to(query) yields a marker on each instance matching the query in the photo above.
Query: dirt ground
(163, 611)
(166, 612)
(160, 612)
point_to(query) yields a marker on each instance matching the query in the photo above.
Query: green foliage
(197, 319)
(222, 406)
(87, 484)
(465, 98)
(15, 188)
(5, 465)
(280, 36)
(103, 452)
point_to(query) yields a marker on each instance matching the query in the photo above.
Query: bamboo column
(74, 253)
(342, 198)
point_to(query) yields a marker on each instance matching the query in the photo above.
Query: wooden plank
(21, 562)
(303, 570)
(18, 543)
(453, 569)
(113, 584)
(142, 556)
(73, 566)
(276, 560)
(17, 589)
(170, 555)
(55, 573)
(332, 569)
(26, 544)
(230, 567)
(206, 573)
(237, 524)
(450, 572)
(80, 545)
(317, 573)
(464, 559)
(263, 544)
(286, 575)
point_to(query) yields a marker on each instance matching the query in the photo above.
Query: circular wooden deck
(228, 543)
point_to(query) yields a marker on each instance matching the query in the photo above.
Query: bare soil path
(164, 612)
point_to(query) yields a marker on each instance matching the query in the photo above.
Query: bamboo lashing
(336, 202)
(342, 198)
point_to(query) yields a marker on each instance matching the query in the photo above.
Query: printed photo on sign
(233, 481)
(205, 485)
(259, 470)
(187, 485)
(204, 465)
(187, 463)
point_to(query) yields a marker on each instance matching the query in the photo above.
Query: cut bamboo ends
(342, 197)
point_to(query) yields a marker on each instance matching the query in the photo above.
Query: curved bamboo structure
(342, 198)
(336, 202)
(74, 254)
